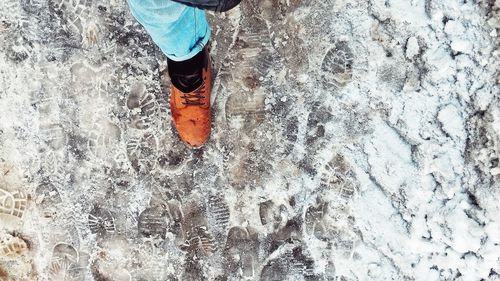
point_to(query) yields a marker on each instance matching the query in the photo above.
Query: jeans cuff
(195, 50)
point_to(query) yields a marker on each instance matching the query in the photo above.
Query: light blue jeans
(179, 30)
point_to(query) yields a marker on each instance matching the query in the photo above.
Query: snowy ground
(352, 140)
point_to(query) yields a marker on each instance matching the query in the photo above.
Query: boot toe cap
(194, 132)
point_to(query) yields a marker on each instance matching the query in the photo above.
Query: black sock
(187, 75)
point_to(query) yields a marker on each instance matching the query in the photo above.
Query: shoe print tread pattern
(141, 151)
(65, 263)
(101, 221)
(13, 203)
(72, 14)
(153, 222)
(13, 247)
(337, 65)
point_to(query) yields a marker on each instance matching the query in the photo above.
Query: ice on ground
(352, 140)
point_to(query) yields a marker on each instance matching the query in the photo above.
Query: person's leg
(179, 30)
(182, 33)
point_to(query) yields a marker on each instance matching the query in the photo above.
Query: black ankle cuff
(188, 66)
(187, 75)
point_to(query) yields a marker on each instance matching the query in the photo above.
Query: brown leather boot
(190, 98)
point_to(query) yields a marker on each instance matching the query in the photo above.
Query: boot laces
(195, 97)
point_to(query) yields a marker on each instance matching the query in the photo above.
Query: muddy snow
(351, 140)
